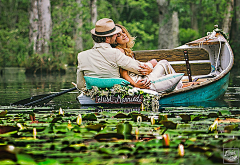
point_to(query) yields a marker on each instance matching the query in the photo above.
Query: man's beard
(113, 41)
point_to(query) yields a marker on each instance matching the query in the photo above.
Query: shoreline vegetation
(25, 44)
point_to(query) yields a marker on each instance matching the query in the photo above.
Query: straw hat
(105, 27)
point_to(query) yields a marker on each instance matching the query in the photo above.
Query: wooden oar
(41, 100)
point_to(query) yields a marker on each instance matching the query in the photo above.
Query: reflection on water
(212, 103)
(15, 85)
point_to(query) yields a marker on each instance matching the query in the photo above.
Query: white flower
(117, 88)
(130, 92)
(95, 88)
(135, 90)
(155, 104)
(104, 93)
(113, 91)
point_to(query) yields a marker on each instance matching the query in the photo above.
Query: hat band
(106, 32)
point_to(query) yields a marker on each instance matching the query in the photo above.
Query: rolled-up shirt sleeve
(80, 76)
(127, 63)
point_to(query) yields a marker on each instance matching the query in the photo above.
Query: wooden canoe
(209, 60)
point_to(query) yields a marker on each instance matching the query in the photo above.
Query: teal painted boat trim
(211, 91)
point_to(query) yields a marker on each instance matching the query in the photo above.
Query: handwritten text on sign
(136, 99)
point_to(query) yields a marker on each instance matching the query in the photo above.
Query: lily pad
(90, 117)
(7, 129)
(3, 113)
(169, 124)
(96, 127)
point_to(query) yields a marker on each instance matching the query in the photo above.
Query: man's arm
(80, 79)
(143, 84)
(131, 64)
(80, 76)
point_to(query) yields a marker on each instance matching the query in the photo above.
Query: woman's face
(122, 38)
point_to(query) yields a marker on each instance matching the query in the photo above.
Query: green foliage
(140, 17)
(146, 34)
(13, 47)
(187, 35)
(62, 43)
(43, 63)
(13, 32)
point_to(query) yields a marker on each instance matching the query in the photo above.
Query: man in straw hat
(102, 60)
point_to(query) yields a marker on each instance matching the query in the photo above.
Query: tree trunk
(168, 26)
(33, 27)
(194, 21)
(93, 8)
(175, 29)
(228, 17)
(237, 18)
(79, 22)
(235, 30)
(40, 25)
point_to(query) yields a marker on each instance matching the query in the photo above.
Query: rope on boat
(200, 44)
(219, 51)
(212, 36)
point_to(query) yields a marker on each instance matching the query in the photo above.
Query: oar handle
(50, 96)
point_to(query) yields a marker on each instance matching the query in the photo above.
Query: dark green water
(15, 85)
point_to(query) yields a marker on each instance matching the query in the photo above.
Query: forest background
(47, 35)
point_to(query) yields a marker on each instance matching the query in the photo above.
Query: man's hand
(143, 84)
(145, 69)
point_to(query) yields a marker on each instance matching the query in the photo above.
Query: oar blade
(31, 99)
(41, 100)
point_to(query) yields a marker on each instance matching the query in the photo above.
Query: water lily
(213, 127)
(152, 120)
(69, 126)
(34, 133)
(166, 141)
(139, 119)
(61, 112)
(181, 150)
(137, 131)
(79, 119)
(20, 126)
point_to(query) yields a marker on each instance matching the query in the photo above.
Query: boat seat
(199, 60)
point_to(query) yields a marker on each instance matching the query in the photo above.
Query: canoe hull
(200, 95)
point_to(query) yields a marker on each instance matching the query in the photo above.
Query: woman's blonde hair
(129, 45)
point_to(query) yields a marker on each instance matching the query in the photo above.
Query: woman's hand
(143, 84)
(145, 69)
(153, 62)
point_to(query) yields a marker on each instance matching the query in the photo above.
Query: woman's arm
(143, 84)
